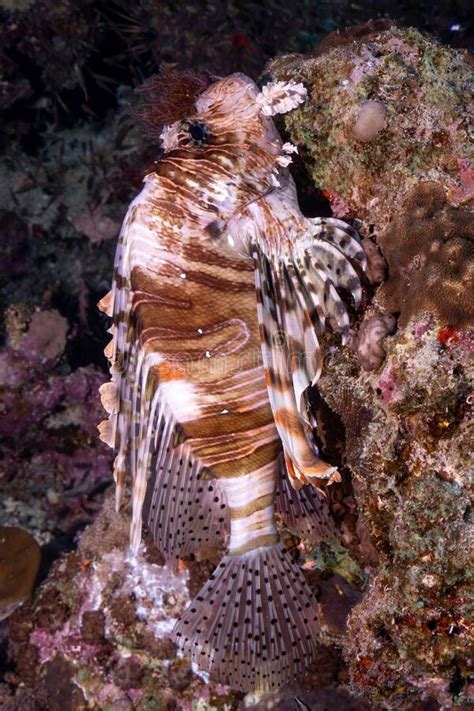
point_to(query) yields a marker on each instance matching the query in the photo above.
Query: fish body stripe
(209, 383)
(251, 506)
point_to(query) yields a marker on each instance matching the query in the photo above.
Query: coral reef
(404, 401)
(53, 469)
(407, 444)
(71, 161)
(98, 631)
(388, 109)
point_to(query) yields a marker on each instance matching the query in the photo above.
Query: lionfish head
(231, 139)
(226, 114)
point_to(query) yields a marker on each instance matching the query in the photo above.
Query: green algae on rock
(388, 108)
(20, 558)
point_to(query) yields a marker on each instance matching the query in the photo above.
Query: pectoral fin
(291, 357)
(298, 298)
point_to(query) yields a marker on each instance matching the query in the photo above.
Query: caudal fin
(254, 624)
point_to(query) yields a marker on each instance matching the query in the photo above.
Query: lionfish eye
(198, 132)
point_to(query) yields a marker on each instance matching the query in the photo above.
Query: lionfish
(221, 289)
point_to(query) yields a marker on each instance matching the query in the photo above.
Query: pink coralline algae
(45, 339)
(100, 628)
(458, 195)
(53, 466)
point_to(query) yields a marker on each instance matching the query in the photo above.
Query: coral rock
(388, 108)
(407, 444)
(429, 248)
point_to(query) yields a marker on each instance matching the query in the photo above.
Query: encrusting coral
(20, 560)
(388, 108)
(429, 248)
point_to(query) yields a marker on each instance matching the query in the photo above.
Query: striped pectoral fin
(183, 512)
(300, 326)
(316, 289)
(291, 356)
(290, 348)
(337, 268)
(341, 234)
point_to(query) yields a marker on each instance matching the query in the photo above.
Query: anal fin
(304, 511)
(183, 512)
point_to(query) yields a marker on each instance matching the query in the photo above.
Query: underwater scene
(236, 355)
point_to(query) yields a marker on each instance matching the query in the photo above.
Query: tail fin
(254, 624)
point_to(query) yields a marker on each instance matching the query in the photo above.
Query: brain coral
(429, 248)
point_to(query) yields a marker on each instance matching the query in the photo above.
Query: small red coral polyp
(448, 334)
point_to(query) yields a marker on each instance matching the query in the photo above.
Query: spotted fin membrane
(255, 620)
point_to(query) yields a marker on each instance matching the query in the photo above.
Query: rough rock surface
(407, 444)
(423, 90)
(97, 632)
(404, 416)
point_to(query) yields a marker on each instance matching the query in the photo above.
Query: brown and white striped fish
(208, 394)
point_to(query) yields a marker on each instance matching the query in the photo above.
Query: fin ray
(281, 359)
(304, 511)
(280, 626)
(341, 234)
